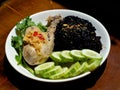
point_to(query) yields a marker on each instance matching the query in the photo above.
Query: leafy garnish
(42, 27)
(25, 65)
(17, 41)
(21, 26)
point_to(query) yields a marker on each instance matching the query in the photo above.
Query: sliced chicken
(39, 45)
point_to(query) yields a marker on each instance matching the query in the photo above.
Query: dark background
(106, 11)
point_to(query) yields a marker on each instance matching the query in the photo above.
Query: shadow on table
(106, 11)
(24, 83)
(2, 1)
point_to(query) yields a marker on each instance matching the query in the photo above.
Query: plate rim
(47, 80)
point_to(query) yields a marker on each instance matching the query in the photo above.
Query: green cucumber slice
(91, 54)
(94, 65)
(53, 71)
(83, 68)
(42, 68)
(65, 56)
(77, 55)
(60, 74)
(55, 56)
(72, 69)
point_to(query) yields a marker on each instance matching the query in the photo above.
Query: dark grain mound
(76, 33)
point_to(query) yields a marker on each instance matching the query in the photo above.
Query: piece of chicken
(39, 44)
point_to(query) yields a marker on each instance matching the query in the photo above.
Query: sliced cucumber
(91, 54)
(72, 69)
(77, 55)
(60, 74)
(53, 71)
(42, 68)
(94, 65)
(65, 56)
(83, 68)
(56, 56)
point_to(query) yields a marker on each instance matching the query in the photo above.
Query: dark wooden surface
(107, 77)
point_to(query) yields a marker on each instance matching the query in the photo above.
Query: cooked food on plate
(65, 47)
(74, 32)
(39, 45)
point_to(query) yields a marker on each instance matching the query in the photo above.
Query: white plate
(41, 17)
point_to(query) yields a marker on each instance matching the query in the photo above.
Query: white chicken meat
(39, 45)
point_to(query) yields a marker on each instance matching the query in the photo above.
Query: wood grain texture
(11, 11)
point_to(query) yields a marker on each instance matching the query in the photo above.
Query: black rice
(76, 33)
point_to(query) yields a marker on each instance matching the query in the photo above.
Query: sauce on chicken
(39, 45)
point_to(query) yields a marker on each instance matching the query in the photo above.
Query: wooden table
(107, 77)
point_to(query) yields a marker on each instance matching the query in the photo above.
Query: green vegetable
(77, 55)
(83, 68)
(53, 71)
(90, 61)
(56, 56)
(72, 69)
(60, 74)
(91, 54)
(65, 56)
(83, 60)
(23, 25)
(25, 65)
(83, 55)
(42, 27)
(17, 41)
(94, 65)
(42, 68)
